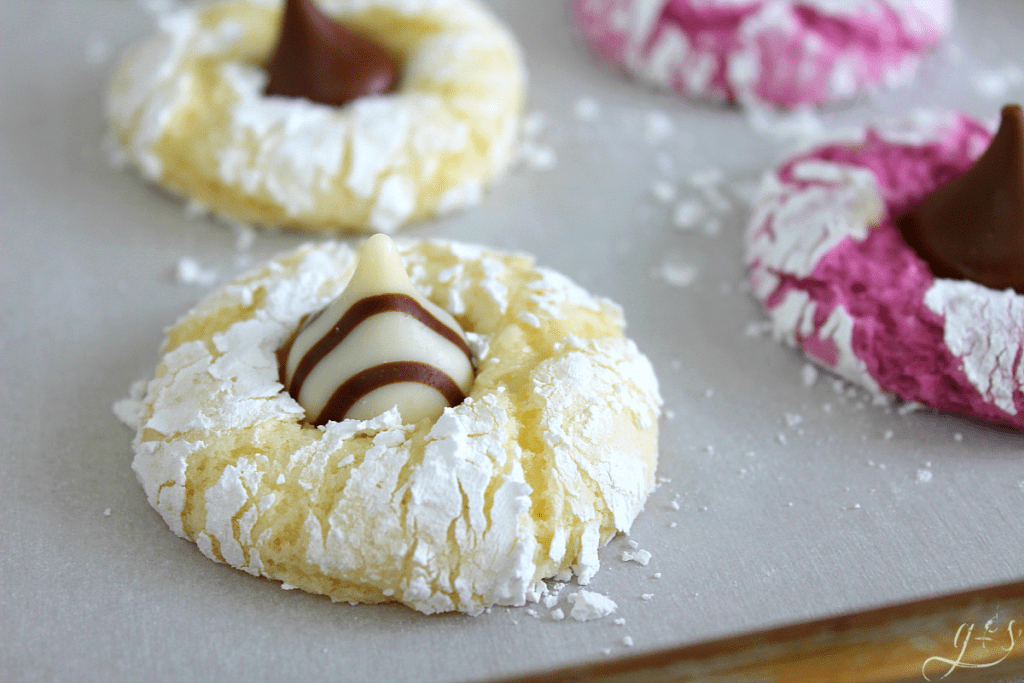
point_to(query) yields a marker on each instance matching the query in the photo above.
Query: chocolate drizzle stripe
(360, 311)
(362, 383)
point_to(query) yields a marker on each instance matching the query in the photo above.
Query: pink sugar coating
(881, 282)
(796, 64)
(712, 31)
(876, 46)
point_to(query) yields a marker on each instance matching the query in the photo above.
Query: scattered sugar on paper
(999, 81)
(188, 271)
(534, 124)
(676, 274)
(538, 157)
(708, 182)
(756, 330)
(128, 410)
(687, 214)
(532, 152)
(658, 127)
(799, 126)
(587, 109)
(588, 605)
(663, 190)
(641, 557)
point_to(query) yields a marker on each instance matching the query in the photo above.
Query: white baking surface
(794, 502)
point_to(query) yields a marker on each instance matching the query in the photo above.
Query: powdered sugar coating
(779, 52)
(553, 452)
(842, 285)
(187, 108)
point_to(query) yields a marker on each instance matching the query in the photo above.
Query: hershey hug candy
(378, 345)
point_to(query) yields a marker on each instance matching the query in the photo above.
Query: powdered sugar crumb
(188, 271)
(538, 157)
(588, 605)
(532, 152)
(587, 109)
(658, 127)
(641, 557)
(676, 274)
(997, 82)
(128, 410)
(686, 214)
(663, 191)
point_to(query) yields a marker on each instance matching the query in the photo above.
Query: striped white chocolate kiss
(378, 345)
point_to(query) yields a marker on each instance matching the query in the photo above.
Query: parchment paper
(782, 499)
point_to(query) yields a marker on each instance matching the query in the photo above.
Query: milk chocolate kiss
(973, 227)
(322, 61)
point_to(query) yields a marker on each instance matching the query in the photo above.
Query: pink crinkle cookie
(784, 53)
(839, 282)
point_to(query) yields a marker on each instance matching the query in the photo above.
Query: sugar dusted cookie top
(552, 453)
(187, 109)
(782, 53)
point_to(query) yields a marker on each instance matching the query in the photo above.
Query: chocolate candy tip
(972, 228)
(323, 61)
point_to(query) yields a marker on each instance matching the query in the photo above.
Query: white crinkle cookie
(186, 108)
(552, 453)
